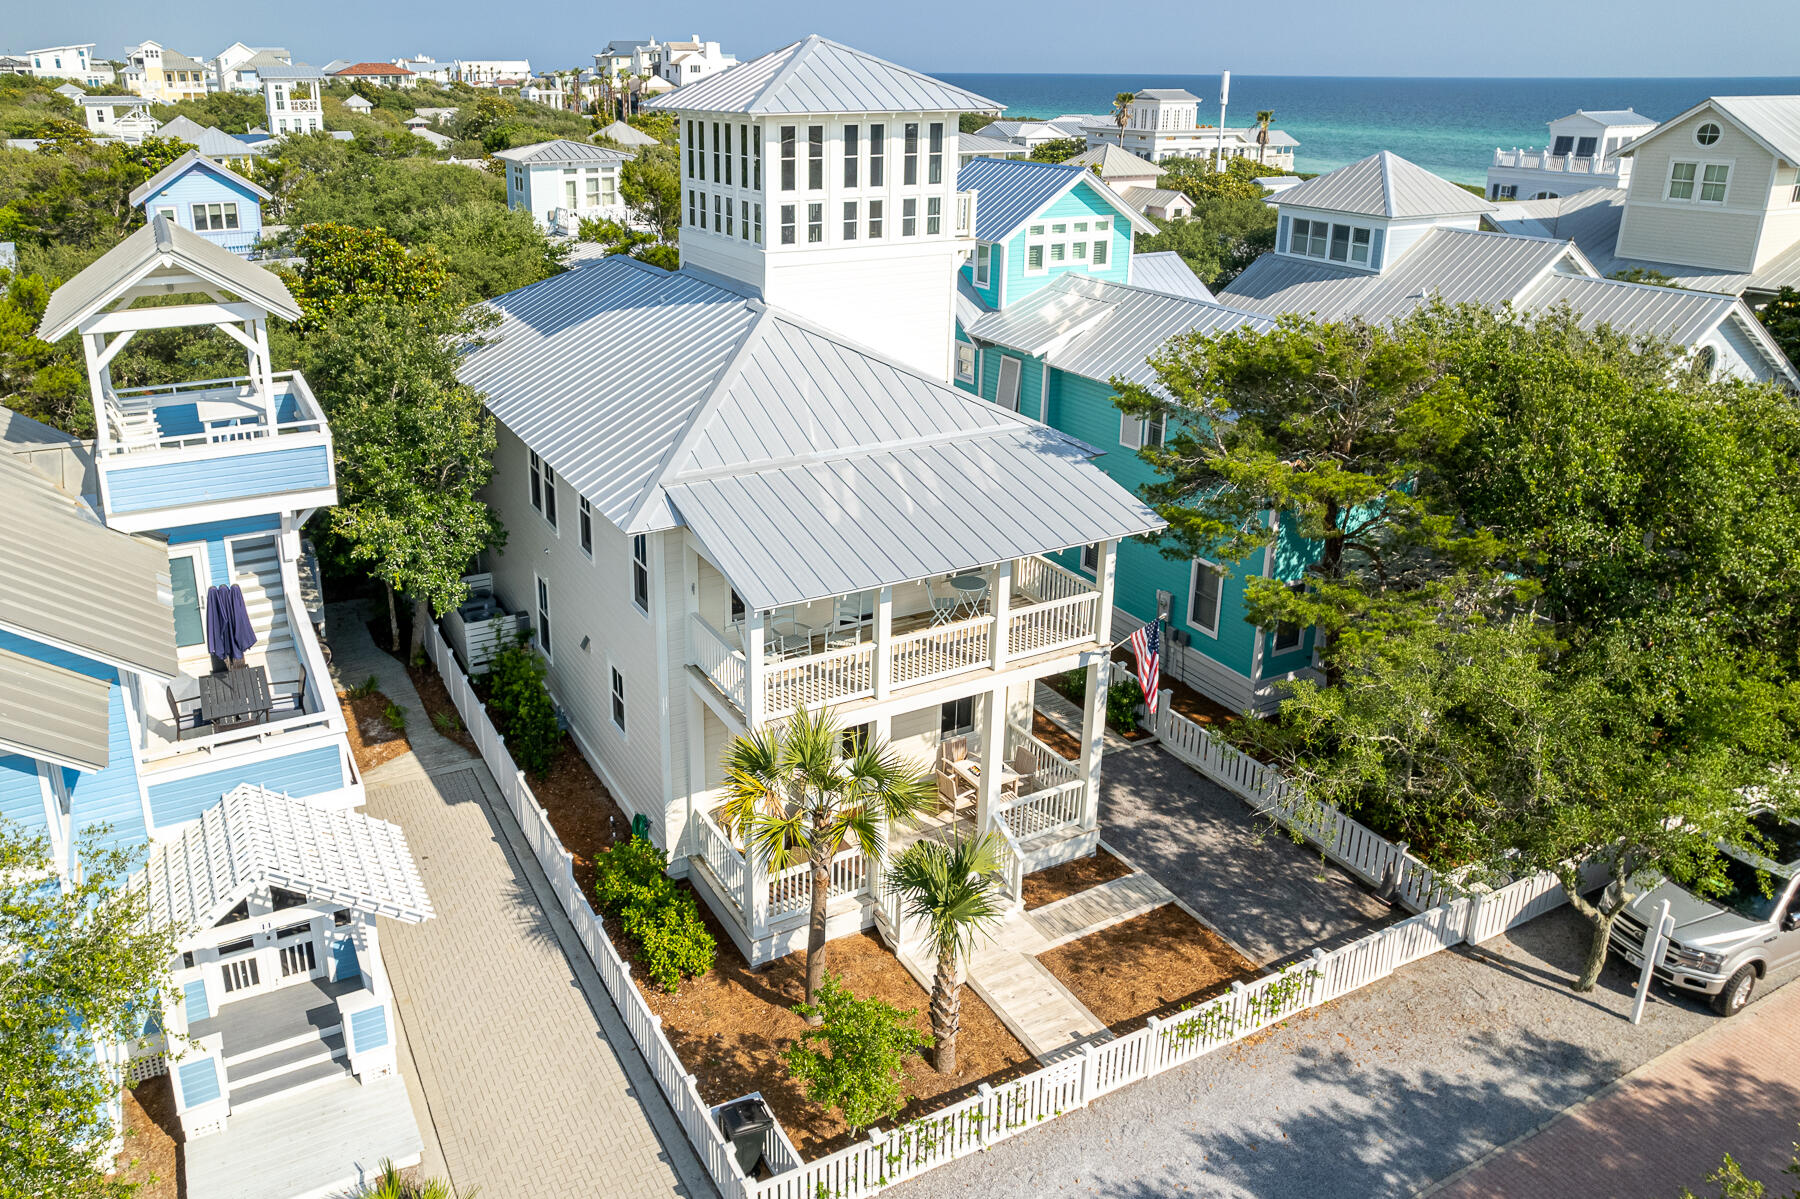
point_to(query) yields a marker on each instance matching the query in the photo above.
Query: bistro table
(970, 770)
(235, 697)
(970, 591)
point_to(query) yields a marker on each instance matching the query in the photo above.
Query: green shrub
(446, 722)
(395, 716)
(631, 883)
(869, 1041)
(1122, 700)
(522, 708)
(366, 688)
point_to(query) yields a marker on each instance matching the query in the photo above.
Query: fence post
(1473, 923)
(1165, 707)
(981, 1126)
(1086, 1081)
(1152, 1048)
(1318, 975)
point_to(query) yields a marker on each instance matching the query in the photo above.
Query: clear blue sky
(1297, 37)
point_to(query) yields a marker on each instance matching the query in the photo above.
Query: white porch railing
(1045, 811)
(1569, 164)
(828, 678)
(965, 214)
(1052, 625)
(721, 857)
(790, 890)
(1049, 766)
(1043, 580)
(718, 659)
(945, 650)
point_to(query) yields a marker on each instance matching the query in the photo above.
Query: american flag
(1146, 643)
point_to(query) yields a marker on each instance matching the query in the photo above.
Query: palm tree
(1262, 132)
(952, 889)
(391, 1184)
(794, 795)
(1121, 112)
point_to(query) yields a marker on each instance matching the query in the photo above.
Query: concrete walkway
(524, 1080)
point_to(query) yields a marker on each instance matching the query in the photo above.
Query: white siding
(1723, 237)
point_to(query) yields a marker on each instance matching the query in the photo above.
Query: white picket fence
(994, 1114)
(646, 1027)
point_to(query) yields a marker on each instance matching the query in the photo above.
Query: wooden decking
(326, 1140)
(302, 1009)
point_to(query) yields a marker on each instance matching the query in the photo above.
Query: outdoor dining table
(970, 591)
(235, 697)
(970, 770)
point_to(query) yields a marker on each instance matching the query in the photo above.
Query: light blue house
(203, 195)
(232, 783)
(1055, 304)
(562, 182)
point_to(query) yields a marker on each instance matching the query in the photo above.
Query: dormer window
(1706, 134)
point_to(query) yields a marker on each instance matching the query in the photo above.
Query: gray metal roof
(1099, 329)
(160, 246)
(1013, 190)
(1142, 198)
(1166, 93)
(974, 143)
(1384, 185)
(970, 307)
(68, 579)
(1115, 160)
(213, 143)
(1671, 312)
(666, 399)
(193, 158)
(294, 72)
(626, 135)
(562, 150)
(52, 713)
(1773, 119)
(1167, 272)
(1612, 116)
(816, 75)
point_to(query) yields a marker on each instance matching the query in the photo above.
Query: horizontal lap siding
(310, 772)
(110, 796)
(172, 484)
(22, 793)
(214, 534)
(201, 186)
(1082, 201)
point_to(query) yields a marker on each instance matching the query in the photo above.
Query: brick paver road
(528, 1097)
(1734, 1089)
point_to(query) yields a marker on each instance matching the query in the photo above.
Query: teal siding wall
(110, 796)
(964, 339)
(1081, 201)
(22, 793)
(1031, 379)
(170, 484)
(990, 295)
(310, 772)
(214, 534)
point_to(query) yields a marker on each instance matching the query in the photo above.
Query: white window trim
(584, 526)
(645, 565)
(1699, 165)
(984, 254)
(540, 608)
(1714, 125)
(1132, 432)
(1011, 404)
(1187, 616)
(618, 700)
(968, 376)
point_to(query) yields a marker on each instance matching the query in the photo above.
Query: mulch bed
(584, 814)
(1072, 878)
(1187, 701)
(151, 1158)
(372, 740)
(1074, 695)
(1151, 965)
(731, 1025)
(436, 698)
(1052, 734)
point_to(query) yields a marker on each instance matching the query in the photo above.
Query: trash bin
(746, 1123)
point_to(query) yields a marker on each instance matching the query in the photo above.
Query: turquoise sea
(1449, 126)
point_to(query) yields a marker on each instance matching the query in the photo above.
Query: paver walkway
(527, 1077)
(1733, 1089)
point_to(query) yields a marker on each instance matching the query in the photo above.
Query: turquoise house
(207, 197)
(1043, 329)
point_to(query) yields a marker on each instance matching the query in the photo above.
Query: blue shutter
(1281, 236)
(197, 1008)
(343, 952)
(1375, 249)
(199, 1082)
(368, 1029)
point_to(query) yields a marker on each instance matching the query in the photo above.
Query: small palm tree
(1262, 132)
(952, 889)
(391, 1184)
(794, 795)
(1121, 109)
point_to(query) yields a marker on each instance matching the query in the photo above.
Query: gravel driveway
(1247, 878)
(1377, 1094)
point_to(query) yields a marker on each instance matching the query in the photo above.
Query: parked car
(1723, 944)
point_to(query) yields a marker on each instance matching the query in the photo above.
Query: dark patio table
(234, 697)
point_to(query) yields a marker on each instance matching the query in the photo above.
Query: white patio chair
(943, 607)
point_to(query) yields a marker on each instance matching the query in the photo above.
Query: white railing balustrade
(790, 890)
(1052, 625)
(720, 661)
(833, 677)
(1568, 164)
(1045, 811)
(941, 651)
(1048, 767)
(721, 857)
(1043, 580)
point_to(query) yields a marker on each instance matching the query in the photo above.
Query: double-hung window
(984, 254)
(744, 154)
(587, 526)
(875, 211)
(1681, 180)
(543, 614)
(1135, 434)
(537, 482)
(728, 212)
(549, 493)
(215, 217)
(909, 217)
(1713, 178)
(1309, 238)
(787, 224)
(1285, 636)
(909, 170)
(640, 571)
(756, 211)
(852, 152)
(618, 698)
(934, 165)
(756, 155)
(934, 214)
(788, 149)
(702, 126)
(1090, 558)
(744, 220)
(877, 151)
(850, 218)
(728, 153)
(965, 362)
(718, 174)
(815, 157)
(815, 223)
(718, 219)
(1205, 592)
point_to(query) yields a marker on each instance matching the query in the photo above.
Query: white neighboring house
(561, 183)
(1583, 152)
(1135, 179)
(1378, 238)
(624, 58)
(825, 178)
(427, 68)
(1027, 135)
(65, 62)
(1164, 122)
(291, 99)
(124, 117)
(485, 72)
(234, 69)
(682, 63)
(163, 75)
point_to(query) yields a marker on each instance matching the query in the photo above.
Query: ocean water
(1448, 126)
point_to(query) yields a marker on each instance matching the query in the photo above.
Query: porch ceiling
(252, 837)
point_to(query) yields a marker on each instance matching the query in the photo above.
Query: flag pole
(1224, 99)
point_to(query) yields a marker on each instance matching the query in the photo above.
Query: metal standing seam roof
(53, 714)
(1671, 312)
(562, 150)
(1384, 185)
(816, 75)
(68, 579)
(253, 837)
(626, 135)
(974, 143)
(192, 159)
(1013, 190)
(159, 245)
(212, 143)
(1167, 272)
(1166, 93)
(1772, 120)
(1142, 198)
(292, 72)
(1100, 330)
(1115, 160)
(1611, 116)
(666, 400)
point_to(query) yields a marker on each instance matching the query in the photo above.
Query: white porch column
(1002, 610)
(261, 376)
(756, 893)
(1093, 729)
(753, 669)
(991, 720)
(881, 730)
(95, 345)
(884, 634)
(1105, 571)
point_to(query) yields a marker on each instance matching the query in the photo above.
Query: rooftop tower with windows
(824, 179)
